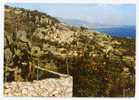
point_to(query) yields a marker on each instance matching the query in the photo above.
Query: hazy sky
(110, 14)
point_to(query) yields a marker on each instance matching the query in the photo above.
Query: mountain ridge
(79, 22)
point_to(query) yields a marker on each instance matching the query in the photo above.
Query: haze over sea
(122, 31)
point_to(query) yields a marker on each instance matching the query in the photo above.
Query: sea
(123, 31)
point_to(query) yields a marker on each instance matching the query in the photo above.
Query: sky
(106, 14)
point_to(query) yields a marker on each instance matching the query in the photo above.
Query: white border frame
(76, 1)
(70, 2)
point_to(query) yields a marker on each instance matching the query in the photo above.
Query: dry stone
(59, 87)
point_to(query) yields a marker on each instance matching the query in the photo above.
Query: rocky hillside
(98, 62)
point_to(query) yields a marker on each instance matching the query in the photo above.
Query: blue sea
(124, 31)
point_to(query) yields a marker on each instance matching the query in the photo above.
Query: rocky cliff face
(33, 39)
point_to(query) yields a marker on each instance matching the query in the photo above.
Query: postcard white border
(74, 2)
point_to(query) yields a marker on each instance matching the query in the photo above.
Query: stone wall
(59, 87)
